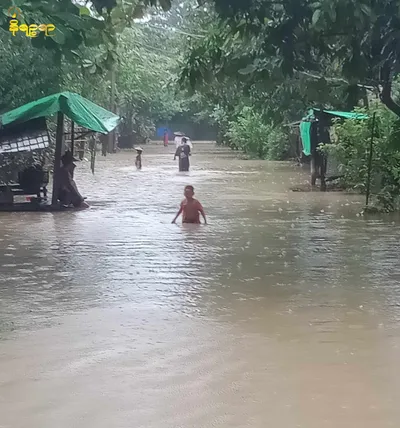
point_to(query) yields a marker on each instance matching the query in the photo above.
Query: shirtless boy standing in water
(190, 208)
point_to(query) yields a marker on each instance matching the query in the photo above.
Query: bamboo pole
(111, 135)
(371, 148)
(57, 157)
(72, 137)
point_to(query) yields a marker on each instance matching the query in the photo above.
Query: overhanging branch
(386, 91)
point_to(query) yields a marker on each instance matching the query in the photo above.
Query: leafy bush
(351, 151)
(254, 136)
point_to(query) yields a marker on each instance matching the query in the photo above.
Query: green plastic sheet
(305, 125)
(305, 134)
(80, 110)
(346, 114)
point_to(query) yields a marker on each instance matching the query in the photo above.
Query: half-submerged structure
(25, 129)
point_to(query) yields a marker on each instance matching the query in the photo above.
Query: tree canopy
(356, 40)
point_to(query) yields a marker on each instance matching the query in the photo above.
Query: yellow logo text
(32, 30)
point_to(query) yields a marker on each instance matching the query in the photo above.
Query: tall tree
(360, 36)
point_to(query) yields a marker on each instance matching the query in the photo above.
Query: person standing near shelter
(183, 153)
(68, 193)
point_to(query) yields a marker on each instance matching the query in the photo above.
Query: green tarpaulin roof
(82, 111)
(305, 125)
(345, 114)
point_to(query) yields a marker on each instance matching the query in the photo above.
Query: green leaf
(84, 11)
(316, 16)
(86, 63)
(59, 36)
(366, 9)
(251, 68)
(71, 57)
(71, 20)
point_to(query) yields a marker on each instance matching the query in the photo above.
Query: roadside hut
(25, 129)
(314, 131)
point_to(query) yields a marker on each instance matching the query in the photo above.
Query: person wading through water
(166, 135)
(190, 208)
(138, 160)
(183, 153)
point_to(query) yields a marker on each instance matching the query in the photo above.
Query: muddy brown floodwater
(283, 312)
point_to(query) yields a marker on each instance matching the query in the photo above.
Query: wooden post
(313, 167)
(57, 157)
(371, 148)
(72, 137)
(111, 135)
(324, 165)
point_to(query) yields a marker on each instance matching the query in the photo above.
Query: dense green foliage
(250, 132)
(351, 150)
(357, 40)
(141, 56)
(230, 71)
(86, 46)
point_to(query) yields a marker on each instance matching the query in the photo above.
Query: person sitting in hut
(34, 179)
(68, 193)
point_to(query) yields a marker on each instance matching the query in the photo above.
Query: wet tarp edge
(346, 114)
(305, 125)
(77, 108)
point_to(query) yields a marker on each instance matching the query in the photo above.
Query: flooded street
(284, 311)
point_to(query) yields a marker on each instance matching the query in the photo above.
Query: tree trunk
(323, 172)
(386, 93)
